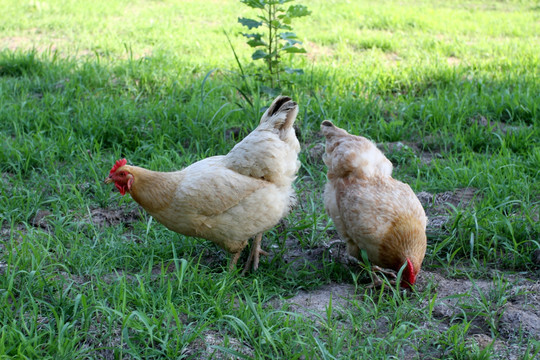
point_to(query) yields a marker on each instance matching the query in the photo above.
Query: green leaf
(289, 70)
(285, 19)
(257, 36)
(288, 35)
(293, 50)
(259, 54)
(292, 42)
(275, 23)
(256, 42)
(250, 23)
(256, 4)
(295, 11)
(284, 27)
(256, 39)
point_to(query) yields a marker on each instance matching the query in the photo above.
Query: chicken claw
(390, 273)
(377, 281)
(351, 260)
(332, 243)
(256, 251)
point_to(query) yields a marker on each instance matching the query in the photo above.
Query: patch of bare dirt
(511, 305)
(110, 217)
(40, 219)
(392, 57)
(316, 51)
(204, 347)
(316, 152)
(454, 61)
(506, 307)
(6, 179)
(535, 257)
(33, 40)
(103, 346)
(117, 275)
(7, 233)
(313, 304)
(235, 133)
(298, 257)
(398, 146)
(439, 206)
(493, 126)
(77, 279)
(503, 349)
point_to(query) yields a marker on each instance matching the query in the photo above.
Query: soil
(40, 219)
(518, 313)
(439, 206)
(110, 217)
(493, 126)
(313, 304)
(204, 347)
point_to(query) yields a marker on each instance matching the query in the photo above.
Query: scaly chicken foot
(331, 244)
(255, 253)
(377, 281)
(234, 260)
(390, 273)
(351, 260)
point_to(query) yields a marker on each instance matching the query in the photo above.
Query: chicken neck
(153, 190)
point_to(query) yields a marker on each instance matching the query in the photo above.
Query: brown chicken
(371, 210)
(225, 199)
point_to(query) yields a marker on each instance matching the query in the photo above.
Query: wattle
(121, 188)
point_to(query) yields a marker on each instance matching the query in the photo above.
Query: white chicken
(226, 199)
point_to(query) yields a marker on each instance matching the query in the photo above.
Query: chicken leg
(256, 251)
(234, 260)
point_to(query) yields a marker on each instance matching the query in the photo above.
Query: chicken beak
(108, 180)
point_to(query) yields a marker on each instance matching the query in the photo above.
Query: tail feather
(281, 114)
(277, 104)
(269, 152)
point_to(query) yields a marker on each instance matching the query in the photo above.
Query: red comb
(118, 164)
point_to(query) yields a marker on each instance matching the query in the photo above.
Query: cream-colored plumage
(226, 199)
(370, 209)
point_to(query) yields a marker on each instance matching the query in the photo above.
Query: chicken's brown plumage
(371, 210)
(225, 199)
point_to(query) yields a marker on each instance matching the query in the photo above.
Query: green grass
(85, 83)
